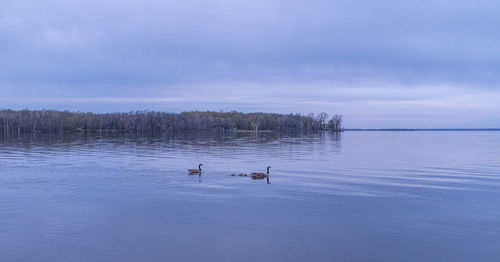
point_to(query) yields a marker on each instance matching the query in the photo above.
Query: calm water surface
(358, 196)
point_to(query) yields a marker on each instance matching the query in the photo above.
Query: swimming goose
(195, 171)
(258, 175)
(240, 174)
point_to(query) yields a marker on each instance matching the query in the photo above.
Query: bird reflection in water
(194, 174)
(267, 179)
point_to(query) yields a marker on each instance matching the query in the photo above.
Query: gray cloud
(327, 55)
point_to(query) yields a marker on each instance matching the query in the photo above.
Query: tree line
(15, 122)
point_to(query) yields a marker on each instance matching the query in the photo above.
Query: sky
(380, 64)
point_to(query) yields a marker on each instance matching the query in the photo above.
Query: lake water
(354, 196)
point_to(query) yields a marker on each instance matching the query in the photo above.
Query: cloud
(256, 55)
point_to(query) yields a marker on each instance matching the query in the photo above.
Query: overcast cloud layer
(379, 63)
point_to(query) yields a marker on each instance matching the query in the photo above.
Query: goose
(240, 174)
(258, 175)
(195, 171)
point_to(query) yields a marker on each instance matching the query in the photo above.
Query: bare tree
(151, 122)
(322, 117)
(336, 123)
